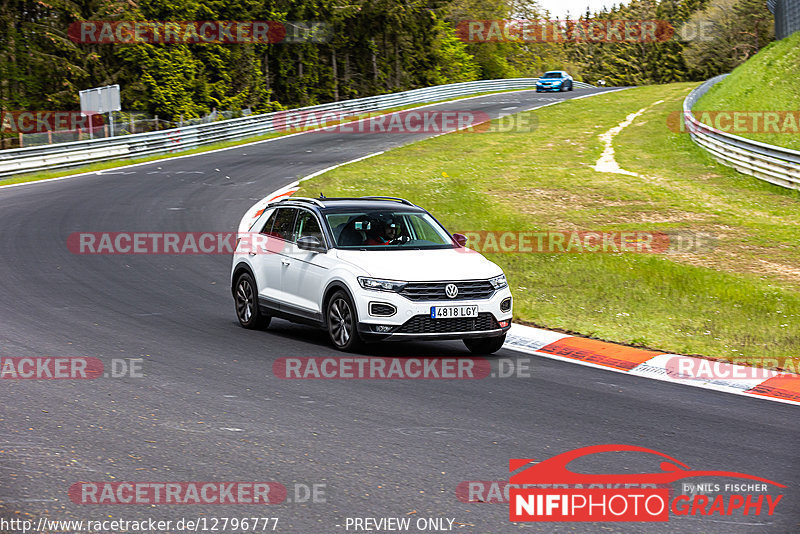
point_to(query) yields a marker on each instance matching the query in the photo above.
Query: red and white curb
(699, 372)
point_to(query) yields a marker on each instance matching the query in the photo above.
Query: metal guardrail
(72, 154)
(774, 164)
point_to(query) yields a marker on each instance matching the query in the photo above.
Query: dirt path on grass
(607, 163)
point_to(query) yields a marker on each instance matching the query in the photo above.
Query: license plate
(447, 312)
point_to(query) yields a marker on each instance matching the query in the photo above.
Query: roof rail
(300, 199)
(404, 201)
(325, 199)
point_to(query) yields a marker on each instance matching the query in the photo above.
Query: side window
(420, 230)
(337, 222)
(284, 223)
(307, 225)
(270, 221)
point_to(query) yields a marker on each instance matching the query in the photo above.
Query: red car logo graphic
(554, 470)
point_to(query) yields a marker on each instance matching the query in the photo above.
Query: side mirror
(310, 243)
(460, 239)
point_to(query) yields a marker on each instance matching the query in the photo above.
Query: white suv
(368, 269)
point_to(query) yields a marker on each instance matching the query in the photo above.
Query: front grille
(475, 289)
(423, 324)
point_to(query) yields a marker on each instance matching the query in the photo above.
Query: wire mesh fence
(104, 126)
(787, 17)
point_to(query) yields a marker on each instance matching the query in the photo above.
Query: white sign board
(100, 100)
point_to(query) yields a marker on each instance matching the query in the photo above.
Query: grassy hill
(766, 82)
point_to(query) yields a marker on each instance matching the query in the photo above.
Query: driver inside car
(384, 234)
(391, 231)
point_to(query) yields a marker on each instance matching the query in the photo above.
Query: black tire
(485, 345)
(570, 86)
(245, 296)
(342, 322)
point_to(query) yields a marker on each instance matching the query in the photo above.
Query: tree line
(371, 47)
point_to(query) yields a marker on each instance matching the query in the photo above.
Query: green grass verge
(105, 165)
(766, 82)
(740, 301)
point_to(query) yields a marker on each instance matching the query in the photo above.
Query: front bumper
(442, 332)
(549, 88)
(412, 319)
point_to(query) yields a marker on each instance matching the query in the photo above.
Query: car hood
(421, 265)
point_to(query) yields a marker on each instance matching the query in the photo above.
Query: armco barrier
(774, 164)
(63, 155)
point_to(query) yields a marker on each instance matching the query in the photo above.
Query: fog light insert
(504, 324)
(383, 329)
(505, 305)
(381, 309)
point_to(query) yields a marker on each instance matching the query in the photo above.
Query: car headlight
(499, 282)
(381, 285)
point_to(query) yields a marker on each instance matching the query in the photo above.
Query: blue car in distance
(555, 80)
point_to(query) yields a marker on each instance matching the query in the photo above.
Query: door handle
(285, 262)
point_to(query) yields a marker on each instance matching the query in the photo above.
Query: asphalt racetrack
(208, 407)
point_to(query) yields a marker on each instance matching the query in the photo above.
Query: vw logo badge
(451, 290)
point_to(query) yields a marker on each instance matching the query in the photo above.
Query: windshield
(552, 75)
(386, 229)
